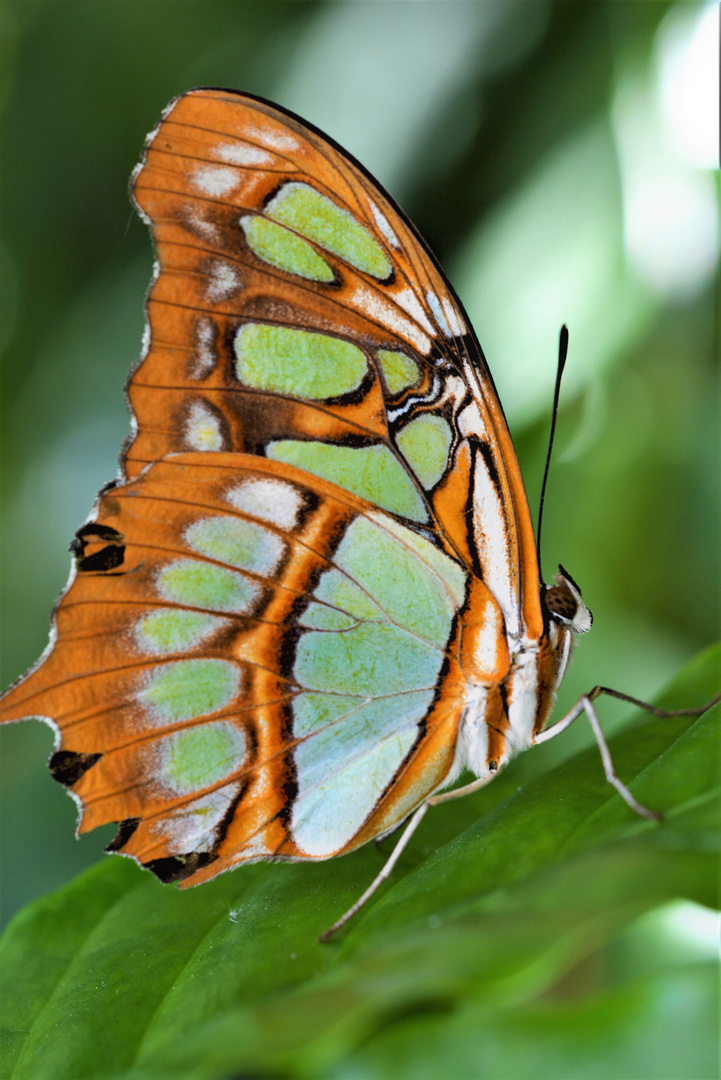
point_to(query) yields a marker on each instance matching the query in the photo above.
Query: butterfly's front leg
(585, 705)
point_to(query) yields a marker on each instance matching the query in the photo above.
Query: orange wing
(321, 534)
(219, 158)
(176, 683)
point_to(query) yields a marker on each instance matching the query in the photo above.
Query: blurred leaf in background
(558, 158)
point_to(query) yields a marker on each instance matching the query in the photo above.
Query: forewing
(297, 314)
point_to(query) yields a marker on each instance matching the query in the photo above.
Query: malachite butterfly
(313, 597)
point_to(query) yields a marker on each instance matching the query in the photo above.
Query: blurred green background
(558, 157)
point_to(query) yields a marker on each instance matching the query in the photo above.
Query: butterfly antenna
(562, 354)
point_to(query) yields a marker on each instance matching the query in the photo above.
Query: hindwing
(248, 664)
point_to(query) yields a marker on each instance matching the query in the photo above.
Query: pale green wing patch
(370, 683)
(371, 472)
(189, 689)
(425, 443)
(286, 360)
(305, 210)
(312, 712)
(344, 768)
(192, 583)
(410, 593)
(346, 596)
(399, 370)
(171, 630)
(370, 660)
(200, 756)
(237, 543)
(447, 570)
(284, 249)
(323, 617)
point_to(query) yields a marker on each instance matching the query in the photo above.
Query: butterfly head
(564, 604)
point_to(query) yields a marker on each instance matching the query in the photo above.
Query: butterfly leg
(410, 828)
(584, 705)
(386, 872)
(663, 714)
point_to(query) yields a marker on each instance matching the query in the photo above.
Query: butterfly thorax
(512, 681)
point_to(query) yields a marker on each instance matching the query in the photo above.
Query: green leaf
(452, 970)
(655, 1028)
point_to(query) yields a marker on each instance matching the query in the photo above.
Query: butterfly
(313, 597)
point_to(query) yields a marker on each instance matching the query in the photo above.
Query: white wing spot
(224, 281)
(202, 430)
(201, 227)
(455, 321)
(486, 651)
(270, 500)
(489, 527)
(192, 827)
(205, 353)
(145, 344)
(276, 140)
(472, 743)
(214, 180)
(385, 227)
(371, 302)
(438, 313)
(238, 153)
(470, 421)
(410, 303)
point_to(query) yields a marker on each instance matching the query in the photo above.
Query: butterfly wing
(322, 533)
(272, 241)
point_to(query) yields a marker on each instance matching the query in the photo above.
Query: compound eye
(564, 603)
(561, 602)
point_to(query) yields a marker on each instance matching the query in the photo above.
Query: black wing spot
(67, 766)
(110, 555)
(179, 867)
(125, 831)
(107, 559)
(95, 531)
